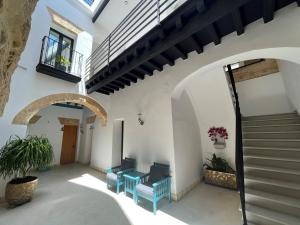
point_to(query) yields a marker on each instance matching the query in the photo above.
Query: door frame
(76, 143)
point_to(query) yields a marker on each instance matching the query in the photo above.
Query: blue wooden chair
(114, 175)
(155, 185)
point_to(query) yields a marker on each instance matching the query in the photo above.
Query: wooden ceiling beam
(130, 78)
(167, 59)
(237, 22)
(213, 33)
(179, 50)
(124, 81)
(268, 10)
(196, 43)
(154, 65)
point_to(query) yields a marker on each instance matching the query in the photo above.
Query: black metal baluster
(158, 12)
(42, 50)
(239, 159)
(108, 53)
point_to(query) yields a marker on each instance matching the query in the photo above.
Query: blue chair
(114, 175)
(155, 185)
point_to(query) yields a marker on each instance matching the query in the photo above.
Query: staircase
(272, 169)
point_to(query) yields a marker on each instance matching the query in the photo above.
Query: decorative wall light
(218, 135)
(62, 128)
(141, 121)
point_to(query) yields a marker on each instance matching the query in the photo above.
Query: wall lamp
(141, 121)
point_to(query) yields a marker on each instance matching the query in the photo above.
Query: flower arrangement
(217, 133)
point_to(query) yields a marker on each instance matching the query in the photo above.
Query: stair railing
(144, 16)
(239, 159)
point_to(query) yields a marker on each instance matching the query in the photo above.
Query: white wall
(117, 143)
(291, 77)
(187, 143)
(27, 85)
(211, 98)
(264, 95)
(155, 141)
(49, 126)
(84, 154)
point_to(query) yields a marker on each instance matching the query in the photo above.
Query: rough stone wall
(15, 21)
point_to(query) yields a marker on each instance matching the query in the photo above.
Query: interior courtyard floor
(77, 195)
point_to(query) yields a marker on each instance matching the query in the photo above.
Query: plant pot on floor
(19, 191)
(18, 157)
(227, 180)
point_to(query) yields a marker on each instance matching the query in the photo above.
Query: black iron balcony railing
(61, 57)
(145, 15)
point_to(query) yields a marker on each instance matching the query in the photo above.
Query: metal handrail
(239, 155)
(135, 25)
(53, 54)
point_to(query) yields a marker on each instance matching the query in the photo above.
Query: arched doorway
(24, 116)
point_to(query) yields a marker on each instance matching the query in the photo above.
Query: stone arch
(24, 116)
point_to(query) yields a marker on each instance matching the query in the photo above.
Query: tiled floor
(77, 195)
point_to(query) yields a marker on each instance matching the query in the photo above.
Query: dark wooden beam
(103, 92)
(268, 10)
(196, 43)
(145, 70)
(137, 74)
(154, 65)
(178, 49)
(99, 10)
(179, 23)
(118, 84)
(124, 81)
(113, 87)
(107, 89)
(237, 21)
(220, 9)
(167, 59)
(130, 78)
(201, 6)
(213, 33)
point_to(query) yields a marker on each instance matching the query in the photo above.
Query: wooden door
(68, 150)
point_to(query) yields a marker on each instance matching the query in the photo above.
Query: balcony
(158, 32)
(58, 59)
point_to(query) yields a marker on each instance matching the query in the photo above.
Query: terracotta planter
(227, 180)
(20, 191)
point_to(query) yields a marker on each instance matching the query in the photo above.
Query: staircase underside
(192, 26)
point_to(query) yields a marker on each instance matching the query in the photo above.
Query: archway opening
(24, 116)
(207, 97)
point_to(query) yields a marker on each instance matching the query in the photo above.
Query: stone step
(272, 216)
(279, 190)
(288, 163)
(274, 182)
(274, 116)
(284, 171)
(275, 152)
(281, 199)
(271, 161)
(272, 135)
(280, 143)
(284, 121)
(272, 128)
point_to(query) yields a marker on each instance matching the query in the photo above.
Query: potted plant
(18, 157)
(218, 135)
(218, 172)
(62, 63)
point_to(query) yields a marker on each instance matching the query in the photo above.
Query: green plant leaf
(19, 156)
